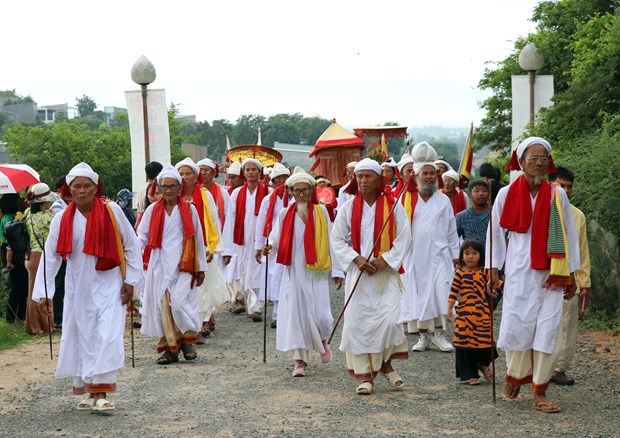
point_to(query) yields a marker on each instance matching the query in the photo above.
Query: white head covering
(189, 163)
(368, 164)
(234, 169)
(169, 172)
(300, 176)
(531, 141)
(389, 163)
(251, 160)
(451, 174)
(406, 159)
(41, 193)
(351, 164)
(445, 163)
(423, 154)
(207, 162)
(84, 170)
(278, 169)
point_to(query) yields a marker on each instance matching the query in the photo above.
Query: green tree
(85, 105)
(311, 128)
(246, 128)
(282, 128)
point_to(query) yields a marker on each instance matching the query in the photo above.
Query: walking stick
(265, 306)
(49, 322)
(133, 360)
(387, 220)
(491, 291)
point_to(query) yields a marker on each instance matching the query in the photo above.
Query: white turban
(451, 174)
(251, 160)
(40, 192)
(207, 162)
(169, 172)
(406, 159)
(84, 170)
(300, 176)
(445, 163)
(234, 169)
(531, 141)
(423, 154)
(368, 164)
(278, 170)
(389, 163)
(189, 163)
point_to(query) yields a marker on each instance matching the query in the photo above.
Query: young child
(472, 327)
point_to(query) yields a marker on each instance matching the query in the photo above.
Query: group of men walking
(394, 247)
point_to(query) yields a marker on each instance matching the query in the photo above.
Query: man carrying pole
(540, 256)
(372, 336)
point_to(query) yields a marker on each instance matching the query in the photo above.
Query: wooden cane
(387, 220)
(133, 361)
(49, 322)
(265, 306)
(490, 202)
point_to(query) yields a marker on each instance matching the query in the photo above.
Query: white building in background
(48, 113)
(295, 154)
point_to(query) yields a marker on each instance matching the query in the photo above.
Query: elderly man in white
(372, 336)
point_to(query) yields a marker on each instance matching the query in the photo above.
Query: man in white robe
(343, 196)
(264, 224)
(533, 298)
(305, 318)
(234, 176)
(91, 348)
(372, 335)
(429, 266)
(240, 232)
(170, 308)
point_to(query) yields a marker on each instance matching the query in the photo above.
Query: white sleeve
(50, 262)
(402, 241)
(259, 239)
(499, 234)
(229, 225)
(341, 237)
(200, 242)
(133, 255)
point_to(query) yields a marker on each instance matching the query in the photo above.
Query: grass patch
(596, 319)
(11, 335)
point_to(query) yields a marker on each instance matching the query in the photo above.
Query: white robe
(342, 196)
(371, 319)
(249, 269)
(305, 318)
(93, 319)
(428, 265)
(531, 314)
(275, 269)
(213, 291)
(163, 274)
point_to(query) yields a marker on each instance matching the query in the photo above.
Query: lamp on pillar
(143, 74)
(530, 60)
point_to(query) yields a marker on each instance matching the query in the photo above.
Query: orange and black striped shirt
(472, 326)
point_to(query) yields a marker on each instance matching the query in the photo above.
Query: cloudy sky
(364, 62)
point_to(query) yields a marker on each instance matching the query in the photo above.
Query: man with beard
(540, 256)
(240, 232)
(434, 253)
(300, 239)
(269, 209)
(372, 336)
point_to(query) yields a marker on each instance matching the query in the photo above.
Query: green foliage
(596, 319)
(85, 105)
(246, 129)
(12, 98)
(11, 335)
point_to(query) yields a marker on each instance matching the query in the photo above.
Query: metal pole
(145, 113)
(532, 75)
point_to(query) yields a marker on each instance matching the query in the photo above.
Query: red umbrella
(14, 177)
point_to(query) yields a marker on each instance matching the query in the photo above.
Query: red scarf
(458, 201)
(100, 239)
(517, 216)
(189, 261)
(216, 192)
(279, 191)
(200, 207)
(261, 191)
(285, 249)
(356, 221)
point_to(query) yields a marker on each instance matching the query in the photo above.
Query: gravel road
(229, 391)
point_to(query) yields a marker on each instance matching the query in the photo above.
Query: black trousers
(18, 295)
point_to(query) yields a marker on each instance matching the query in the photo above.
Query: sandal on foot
(487, 373)
(85, 405)
(394, 380)
(547, 407)
(300, 368)
(167, 358)
(100, 405)
(189, 352)
(511, 391)
(365, 388)
(473, 381)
